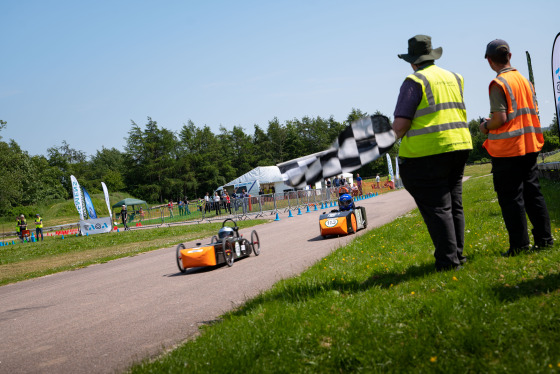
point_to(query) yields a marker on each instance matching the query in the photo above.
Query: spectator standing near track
(22, 225)
(170, 207)
(207, 202)
(329, 185)
(38, 227)
(186, 203)
(18, 229)
(431, 119)
(227, 201)
(514, 142)
(124, 217)
(359, 183)
(217, 204)
(180, 206)
(245, 196)
(377, 180)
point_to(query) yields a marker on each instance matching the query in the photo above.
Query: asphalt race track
(104, 318)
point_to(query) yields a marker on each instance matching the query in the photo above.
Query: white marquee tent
(265, 176)
(254, 179)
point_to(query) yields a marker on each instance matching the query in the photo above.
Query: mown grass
(377, 305)
(554, 158)
(54, 254)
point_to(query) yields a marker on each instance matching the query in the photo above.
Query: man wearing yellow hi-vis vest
(431, 119)
(514, 141)
(38, 227)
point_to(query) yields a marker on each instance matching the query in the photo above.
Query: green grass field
(377, 305)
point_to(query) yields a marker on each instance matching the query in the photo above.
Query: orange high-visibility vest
(522, 133)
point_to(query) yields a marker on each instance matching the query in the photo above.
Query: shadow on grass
(302, 291)
(529, 288)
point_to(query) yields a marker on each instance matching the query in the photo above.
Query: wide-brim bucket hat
(420, 50)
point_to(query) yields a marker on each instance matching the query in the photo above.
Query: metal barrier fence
(238, 209)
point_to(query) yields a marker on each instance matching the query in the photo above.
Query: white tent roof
(263, 174)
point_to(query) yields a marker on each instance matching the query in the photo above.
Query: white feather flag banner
(362, 142)
(77, 193)
(106, 193)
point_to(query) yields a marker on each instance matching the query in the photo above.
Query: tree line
(158, 164)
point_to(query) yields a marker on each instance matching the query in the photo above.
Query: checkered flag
(362, 142)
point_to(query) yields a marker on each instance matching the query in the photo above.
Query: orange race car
(345, 220)
(224, 248)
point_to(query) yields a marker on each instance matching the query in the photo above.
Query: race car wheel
(227, 249)
(255, 243)
(353, 222)
(180, 259)
(248, 247)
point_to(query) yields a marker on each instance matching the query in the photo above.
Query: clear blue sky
(80, 71)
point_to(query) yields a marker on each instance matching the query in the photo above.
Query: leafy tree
(69, 161)
(150, 157)
(26, 180)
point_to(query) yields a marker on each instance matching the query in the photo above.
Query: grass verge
(377, 305)
(31, 260)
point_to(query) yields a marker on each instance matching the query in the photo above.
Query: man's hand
(495, 122)
(484, 125)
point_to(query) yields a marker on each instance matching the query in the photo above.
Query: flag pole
(532, 79)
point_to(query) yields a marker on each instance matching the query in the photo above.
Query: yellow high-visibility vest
(440, 122)
(38, 223)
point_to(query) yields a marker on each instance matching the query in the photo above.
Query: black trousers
(517, 185)
(435, 183)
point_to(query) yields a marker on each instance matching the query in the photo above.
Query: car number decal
(331, 222)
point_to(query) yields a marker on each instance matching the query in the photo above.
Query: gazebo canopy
(130, 202)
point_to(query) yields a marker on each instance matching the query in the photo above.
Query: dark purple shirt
(409, 99)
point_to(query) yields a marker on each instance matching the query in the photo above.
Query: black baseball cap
(497, 47)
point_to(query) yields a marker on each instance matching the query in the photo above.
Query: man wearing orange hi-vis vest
(514, 141)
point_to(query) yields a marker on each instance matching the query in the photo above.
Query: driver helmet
(225, 232)
(345, 202)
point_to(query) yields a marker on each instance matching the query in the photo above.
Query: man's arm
(493, 123)
(410, 95)
(498, 108)
(401, 126)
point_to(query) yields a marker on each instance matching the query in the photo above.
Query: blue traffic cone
(87, 234)
(13, 242)
(277, 218)
(315, 208)
(62, 236)
(299, 211)
(290, 215)
(307, 211)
